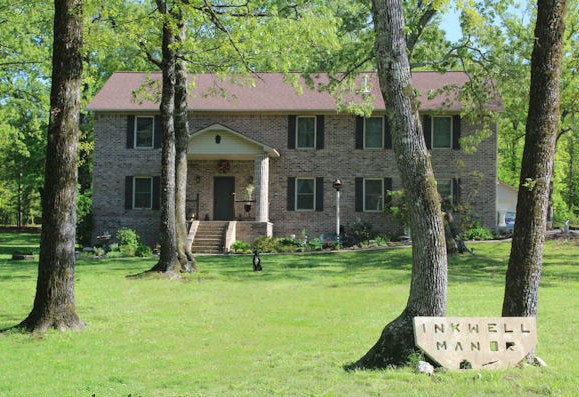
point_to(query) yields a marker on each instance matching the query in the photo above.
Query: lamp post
(338, 186)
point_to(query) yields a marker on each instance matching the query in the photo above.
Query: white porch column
(261, 181)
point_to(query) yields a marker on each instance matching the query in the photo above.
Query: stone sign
(475, 342)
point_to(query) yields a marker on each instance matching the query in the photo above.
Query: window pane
(142, 192)
(144, 133)
(441, 132)
(445, 189)
(373, 136)
(305, 194)
(373, 191)
(306, 132)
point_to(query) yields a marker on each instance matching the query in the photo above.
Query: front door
(223, 198)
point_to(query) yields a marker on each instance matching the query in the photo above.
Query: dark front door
(223, 197)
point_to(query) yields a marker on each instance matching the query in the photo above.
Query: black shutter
(319, 132)
(157, 134)
(387, 134)
(427, 129)
(130, 131)
(156, 192)
(319, 194)
(455, 191)
(359, 194)
(456, 132)
(291, 193)
(291, 132)
(128, 192)
(359, 132)
(387, 190)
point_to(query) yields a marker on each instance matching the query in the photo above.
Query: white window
(305, 194)
(445, 189)
(306, 132)
(142, 193)
(374, 132)
(442, 132)
(373, 195)
(144, 130)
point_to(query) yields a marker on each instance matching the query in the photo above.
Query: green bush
(143, 251)
(128, 250)
(265, 244)
(240, 247)
(477, 232)
(126, 236)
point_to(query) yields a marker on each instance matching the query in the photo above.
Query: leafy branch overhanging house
(263, 156)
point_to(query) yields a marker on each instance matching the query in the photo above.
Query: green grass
(286, 331)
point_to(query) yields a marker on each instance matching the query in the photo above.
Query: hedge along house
(263, 156)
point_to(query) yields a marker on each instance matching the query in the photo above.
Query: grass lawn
(287, 331)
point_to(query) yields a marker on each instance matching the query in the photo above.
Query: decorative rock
(424, 368)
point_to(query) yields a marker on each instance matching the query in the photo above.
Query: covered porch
(228, 181)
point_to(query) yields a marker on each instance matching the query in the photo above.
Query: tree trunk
(525, 262)
(168, 261)
(429, 278)
(184, 253)
(54, 304)
(454, 243)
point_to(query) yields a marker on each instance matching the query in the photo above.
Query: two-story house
(263, 156)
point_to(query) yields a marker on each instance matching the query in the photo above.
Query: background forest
(258, 36)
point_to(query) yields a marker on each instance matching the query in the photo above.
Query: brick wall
(338, 159)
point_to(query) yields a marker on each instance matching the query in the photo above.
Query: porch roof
(220, 142)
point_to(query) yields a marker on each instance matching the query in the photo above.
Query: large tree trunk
(168, 261)
(54, 304)
(524, 270)
(184, 253)
(429, 278)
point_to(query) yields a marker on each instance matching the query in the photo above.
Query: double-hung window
(144, 131)
(441, 132)
(142, 193)
(374, 132)
(306, 132)
(373, 195)
(305, 194)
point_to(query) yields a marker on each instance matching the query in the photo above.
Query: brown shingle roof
(269, 92)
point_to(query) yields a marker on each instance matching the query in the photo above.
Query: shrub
(265, 244)
(126, 236)
(143, 251)
(128, 250)
(240, 247)
(361, 232)
(477, 232)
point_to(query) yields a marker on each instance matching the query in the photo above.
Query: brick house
(289, 146)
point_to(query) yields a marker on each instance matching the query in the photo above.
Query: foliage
(360, 232)
(126, 236)
(477, 232)
(239, 246)
(84, 220)
(143, 251)
(264, 244)
(272, 323)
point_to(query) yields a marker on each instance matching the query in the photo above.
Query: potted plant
(248, 195)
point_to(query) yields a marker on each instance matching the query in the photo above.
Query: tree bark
(168, 261)
(525, 262)
(429, 262)
(184, 253)
(54, 304)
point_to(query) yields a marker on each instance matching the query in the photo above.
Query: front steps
(209, 237)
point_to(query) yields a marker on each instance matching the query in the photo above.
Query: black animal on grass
(256, 262)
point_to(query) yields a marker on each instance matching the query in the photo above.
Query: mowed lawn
(287, 331)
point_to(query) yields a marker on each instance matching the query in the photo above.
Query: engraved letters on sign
(475, 342)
